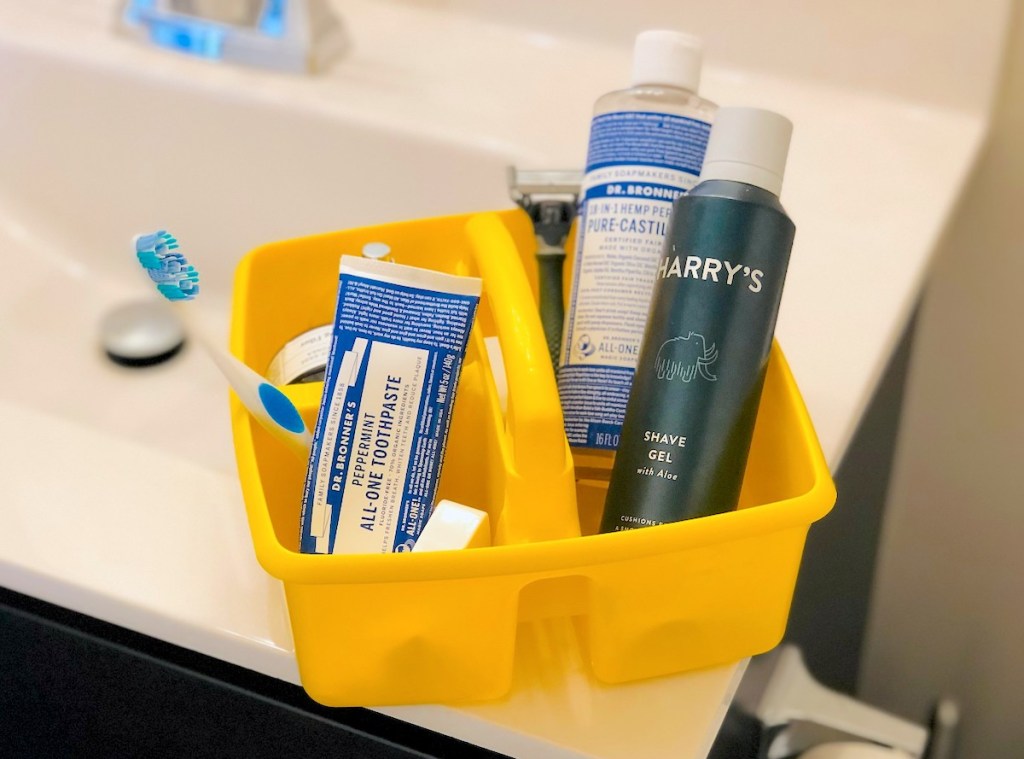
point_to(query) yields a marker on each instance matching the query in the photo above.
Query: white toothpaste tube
(400, 334)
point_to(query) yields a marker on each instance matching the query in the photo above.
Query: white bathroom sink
(93, 154)
(119, 490)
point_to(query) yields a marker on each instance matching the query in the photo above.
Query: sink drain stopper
(142, 333)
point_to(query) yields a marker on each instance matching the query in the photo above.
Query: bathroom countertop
(211, 596)
(871, 181)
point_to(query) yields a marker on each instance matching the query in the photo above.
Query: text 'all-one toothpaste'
(400, 334)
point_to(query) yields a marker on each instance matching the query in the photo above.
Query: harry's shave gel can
(695, 395)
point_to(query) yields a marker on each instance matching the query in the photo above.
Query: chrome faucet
(288, 35)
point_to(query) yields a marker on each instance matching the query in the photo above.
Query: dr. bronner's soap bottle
(646, 149)
(698, 381)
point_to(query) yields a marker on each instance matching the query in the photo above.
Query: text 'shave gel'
(691, 412)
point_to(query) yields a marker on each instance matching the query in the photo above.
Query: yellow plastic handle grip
(534, 416)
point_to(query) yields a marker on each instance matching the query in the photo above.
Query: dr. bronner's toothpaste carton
(400, 334)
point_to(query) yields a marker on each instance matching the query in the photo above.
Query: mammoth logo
(686, 357)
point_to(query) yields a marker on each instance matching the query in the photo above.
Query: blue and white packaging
(400, 335)
(646, 148)
(638, 163)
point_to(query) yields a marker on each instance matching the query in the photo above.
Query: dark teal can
(695, 394)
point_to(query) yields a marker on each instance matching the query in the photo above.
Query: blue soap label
(638, 164)
(646, 138)
(395, 359)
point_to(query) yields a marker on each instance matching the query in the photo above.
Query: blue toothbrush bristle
(175, 278)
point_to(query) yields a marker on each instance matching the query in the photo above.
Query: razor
(550, 198)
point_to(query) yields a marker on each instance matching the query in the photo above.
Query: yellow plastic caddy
(441, 627)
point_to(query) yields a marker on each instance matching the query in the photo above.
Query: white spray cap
(666, 57)
(748, 145)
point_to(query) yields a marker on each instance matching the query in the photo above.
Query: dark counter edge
(73, 685)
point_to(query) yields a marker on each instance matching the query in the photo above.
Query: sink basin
(92, 155)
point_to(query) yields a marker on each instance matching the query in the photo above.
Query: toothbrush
(178, 281)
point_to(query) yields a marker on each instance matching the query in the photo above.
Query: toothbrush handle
(550, 266)
(270, 407)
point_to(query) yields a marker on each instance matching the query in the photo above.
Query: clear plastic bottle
(646, 148)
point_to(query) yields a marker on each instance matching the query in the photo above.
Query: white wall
(948, 611)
